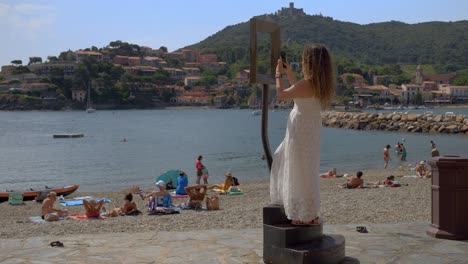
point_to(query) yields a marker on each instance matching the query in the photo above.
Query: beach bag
(236, 181)
(15, 199)
(212, 203)
(51, 217)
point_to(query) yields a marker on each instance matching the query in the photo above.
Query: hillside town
(123, 75)
(183, 86)
(424, 89)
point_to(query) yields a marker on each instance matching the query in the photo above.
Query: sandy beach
(339, 206)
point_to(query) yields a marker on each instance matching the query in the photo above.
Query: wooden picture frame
(258, 25)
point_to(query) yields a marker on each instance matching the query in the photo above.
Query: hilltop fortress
(291, 11)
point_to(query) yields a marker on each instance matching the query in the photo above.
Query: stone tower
(419, 75)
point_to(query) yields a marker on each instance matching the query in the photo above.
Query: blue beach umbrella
(170, 175)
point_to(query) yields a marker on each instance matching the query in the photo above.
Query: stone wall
(420, 123)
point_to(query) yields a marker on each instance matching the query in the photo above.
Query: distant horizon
(45, 28)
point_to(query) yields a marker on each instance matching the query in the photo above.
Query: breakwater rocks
(419, 123)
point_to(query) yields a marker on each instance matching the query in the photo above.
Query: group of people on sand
(93, 208)
(356, 182)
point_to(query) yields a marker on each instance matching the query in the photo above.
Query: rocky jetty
(419, 123)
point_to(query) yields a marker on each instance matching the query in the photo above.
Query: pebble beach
(409, 203)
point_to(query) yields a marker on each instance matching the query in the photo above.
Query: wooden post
(257, 25)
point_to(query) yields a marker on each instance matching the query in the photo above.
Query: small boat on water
(256, 112)
(68, 135)
(29, 195)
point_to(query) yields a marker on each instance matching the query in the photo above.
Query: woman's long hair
(318, 71)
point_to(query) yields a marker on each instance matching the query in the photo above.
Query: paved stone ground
(385, 243)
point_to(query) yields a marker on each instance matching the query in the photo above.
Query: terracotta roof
(351, 74)
(82, 52)
(395, 91)
(441, 77)
(376, 87)
(458, 87)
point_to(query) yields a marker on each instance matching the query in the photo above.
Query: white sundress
(294, 178)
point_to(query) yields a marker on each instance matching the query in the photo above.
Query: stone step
(286, 235)
(329, 249)
(274, 215)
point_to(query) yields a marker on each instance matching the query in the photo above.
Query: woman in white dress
(295, 181)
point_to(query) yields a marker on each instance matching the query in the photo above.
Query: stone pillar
(285, 243)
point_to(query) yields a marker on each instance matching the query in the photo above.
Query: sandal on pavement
(56, 244)
(361, 229)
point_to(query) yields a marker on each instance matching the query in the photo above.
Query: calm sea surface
(160, 140)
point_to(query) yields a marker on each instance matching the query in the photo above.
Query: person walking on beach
(386, 156)
(295, 183)
(200, 167)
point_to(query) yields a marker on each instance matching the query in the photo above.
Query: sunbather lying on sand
(354, 182)
(330, 174)
(93, 208)
(228, 182)
(388, 181)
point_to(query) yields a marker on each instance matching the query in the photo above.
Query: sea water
(133, 147)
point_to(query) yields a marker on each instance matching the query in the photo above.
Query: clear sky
(47, 27)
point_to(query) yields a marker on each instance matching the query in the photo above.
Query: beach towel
(39, 220)
(175, 195)
(186, 206)
(76, 202)
(229, 192)
(164, 211)
(15, 198)
(411, 176)
(85, 217)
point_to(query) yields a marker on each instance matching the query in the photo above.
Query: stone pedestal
(285, 243)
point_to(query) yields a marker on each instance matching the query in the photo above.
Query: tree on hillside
(17, 62)
(162, 48)
(21, 70)
(462, 78)
(52, 58)
(67, 56)
(33, 60)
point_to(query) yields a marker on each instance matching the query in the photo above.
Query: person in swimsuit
(196, 195)
(330, 174)
(354, 181)
(386, 154)
(199, 167)
(93, 208)
(434, 151)
(403, 152)
(48, 206)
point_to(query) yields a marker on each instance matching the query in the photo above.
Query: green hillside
(441, 43)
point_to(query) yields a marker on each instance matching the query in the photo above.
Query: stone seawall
(419, 123)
